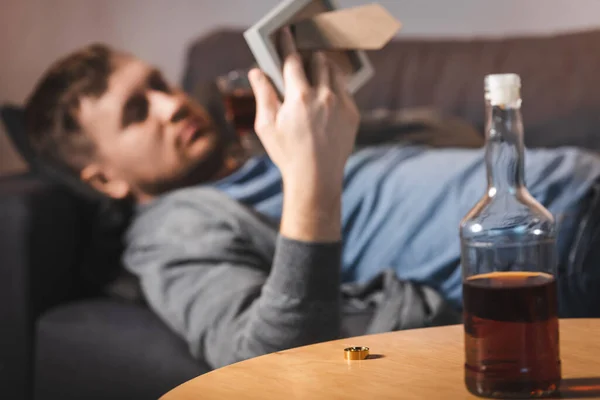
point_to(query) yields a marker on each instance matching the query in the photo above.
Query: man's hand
(309, 137)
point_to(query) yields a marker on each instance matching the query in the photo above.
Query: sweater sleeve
(204, 278)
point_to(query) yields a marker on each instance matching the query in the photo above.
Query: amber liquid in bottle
(511, 333)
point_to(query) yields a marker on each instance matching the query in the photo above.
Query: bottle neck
(504, 148)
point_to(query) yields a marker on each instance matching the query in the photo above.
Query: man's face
(149, 137)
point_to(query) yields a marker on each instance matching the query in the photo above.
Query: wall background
(33, 33)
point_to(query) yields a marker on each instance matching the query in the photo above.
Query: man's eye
(136, 110)
(158, 83)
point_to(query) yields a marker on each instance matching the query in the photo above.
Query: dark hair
(51, 114)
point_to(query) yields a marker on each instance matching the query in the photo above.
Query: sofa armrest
(39, 235)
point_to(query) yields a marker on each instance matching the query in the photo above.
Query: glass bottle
(508, 256)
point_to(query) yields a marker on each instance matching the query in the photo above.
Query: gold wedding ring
(356, 353)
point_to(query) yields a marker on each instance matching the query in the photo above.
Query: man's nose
(165, 106)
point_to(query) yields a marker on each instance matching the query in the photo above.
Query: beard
(214, 164)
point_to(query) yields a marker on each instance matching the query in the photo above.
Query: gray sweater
(221, 277)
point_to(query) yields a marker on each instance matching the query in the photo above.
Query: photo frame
(260, 40)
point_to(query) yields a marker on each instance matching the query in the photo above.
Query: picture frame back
(262, 43)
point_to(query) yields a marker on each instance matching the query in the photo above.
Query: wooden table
(413, 364)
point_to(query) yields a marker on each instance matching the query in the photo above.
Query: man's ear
(94, 176)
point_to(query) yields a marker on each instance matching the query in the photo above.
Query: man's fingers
(339, 82)
(294, 76)
(267, 102)
(321, 71)
(286, 43)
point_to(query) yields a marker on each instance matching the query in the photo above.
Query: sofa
(74, 324)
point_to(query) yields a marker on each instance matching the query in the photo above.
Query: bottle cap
(502, 89)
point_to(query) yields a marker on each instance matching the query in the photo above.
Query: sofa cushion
(104, 349)
(103, 221)
(559, 73)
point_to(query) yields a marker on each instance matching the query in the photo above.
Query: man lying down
(312, 241)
